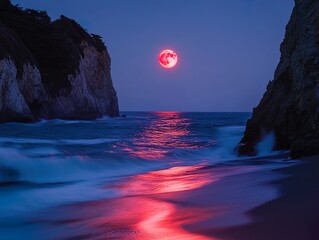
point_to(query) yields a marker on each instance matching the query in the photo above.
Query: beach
(237, 200)
(157, 176)
(250, 203)
(294, 215)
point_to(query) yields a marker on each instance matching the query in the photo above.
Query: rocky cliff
(290, 106)
(51, 69)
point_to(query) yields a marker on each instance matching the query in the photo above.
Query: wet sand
(294, 215)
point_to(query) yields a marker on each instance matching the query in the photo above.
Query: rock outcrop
(290, 106)
(51, 69)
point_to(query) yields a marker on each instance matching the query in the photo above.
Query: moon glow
(167, 58)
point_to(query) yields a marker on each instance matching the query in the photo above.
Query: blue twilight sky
(228, 49)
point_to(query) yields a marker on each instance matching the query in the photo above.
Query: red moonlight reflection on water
(168, 58)
(164, 134)
(175, 179)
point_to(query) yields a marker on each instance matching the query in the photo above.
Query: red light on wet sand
(167, 58)
(143, 215)
(175, 179)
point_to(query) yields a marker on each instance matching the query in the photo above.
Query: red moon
(167, 58)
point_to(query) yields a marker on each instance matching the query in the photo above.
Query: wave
(229, 137)
(57, 142)
(48, 165)
(266, 145)
(227, 140)
(54, 160)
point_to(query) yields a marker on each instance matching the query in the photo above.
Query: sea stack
(290, 106)
(51, 69)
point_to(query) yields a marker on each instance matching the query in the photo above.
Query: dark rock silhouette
(51, 69)
(290, 106)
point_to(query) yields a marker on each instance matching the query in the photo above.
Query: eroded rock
(290, 106)
(51, 69)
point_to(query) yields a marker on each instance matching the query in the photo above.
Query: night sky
(228, 49)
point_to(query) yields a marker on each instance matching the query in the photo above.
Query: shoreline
(246, 199)
(182, 203)
(293, 215)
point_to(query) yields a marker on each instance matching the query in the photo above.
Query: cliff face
(290, 106)
(51, 69)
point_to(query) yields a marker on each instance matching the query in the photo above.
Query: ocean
(49, 165)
